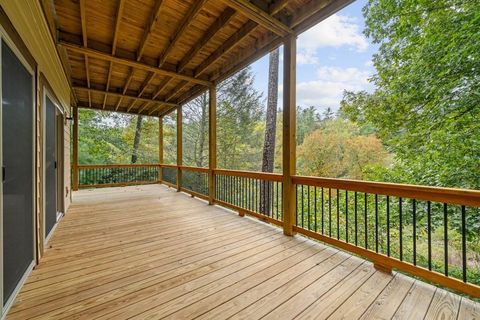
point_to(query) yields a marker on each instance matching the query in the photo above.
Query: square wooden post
(289, 135)
(212, 142)
(75, 150)
(179, 147)
(160, 148)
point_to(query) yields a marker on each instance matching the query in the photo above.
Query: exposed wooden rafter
(226, 47)
(125, 96)
(222, 21)
(131, 63)
(261, 17)
(83, 19)
(118, 19)
(125, 88)
(152, 20)
(187, 20)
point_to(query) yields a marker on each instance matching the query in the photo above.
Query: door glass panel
(50, 167)
(17, 134)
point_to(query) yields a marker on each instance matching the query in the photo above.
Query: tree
(338, 150)
(195, 132)
(239, 131)
(136, 140)
(426, 108)
(268, 157)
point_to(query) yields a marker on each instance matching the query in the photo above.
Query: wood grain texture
(149, 252)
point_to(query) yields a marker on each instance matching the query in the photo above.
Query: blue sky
(331, 57)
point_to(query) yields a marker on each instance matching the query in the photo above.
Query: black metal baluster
(315, 209)
(414, 209)
(356, 219)
(445, 237)
(464, 244)
(346, 216)
(400, 231)
(323, 209)
(429, 231)
(338, 214)
(329, 212)
(277, 185)
(308, 210)
(376, 223)
(388, 226)
(366, 221)
(302, 205)
(296, 204)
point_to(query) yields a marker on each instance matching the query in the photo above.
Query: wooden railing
(425, 231)
(94, 176)
(428, 232)
(254, 193)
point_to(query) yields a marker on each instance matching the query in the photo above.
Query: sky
(333, 56)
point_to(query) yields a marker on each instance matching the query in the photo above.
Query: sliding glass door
(50, 165)
(17, 156)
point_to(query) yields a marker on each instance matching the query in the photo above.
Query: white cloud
(327, 89)
(336, 31)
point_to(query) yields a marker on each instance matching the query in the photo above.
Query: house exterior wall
(28, 20)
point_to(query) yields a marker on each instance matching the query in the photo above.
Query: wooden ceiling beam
(277, 6)
(261, 17)
(125, 88)
(155, 109)
(118, 19)
(187, 20)
(219, 23)
(152, 20)
(124, 96)
(226, 47)
(131, 63)
(162, 86)
(83, 20)
(112, 109)
(146, 83)
(233, 41)
(175, 91)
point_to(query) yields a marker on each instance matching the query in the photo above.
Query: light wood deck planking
(148, 252)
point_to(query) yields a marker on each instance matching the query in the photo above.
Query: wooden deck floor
(150, 252)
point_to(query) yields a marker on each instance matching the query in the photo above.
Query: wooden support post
(75, 150)
(179, 148)
(160, 149)
(289, 128)
(212, 142)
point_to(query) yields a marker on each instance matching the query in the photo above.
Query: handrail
(131, 165)
(196, 169)
(249, 174)
(446, 195)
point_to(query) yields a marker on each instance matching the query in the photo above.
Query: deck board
(148, 252)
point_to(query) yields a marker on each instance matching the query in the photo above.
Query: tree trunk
(136, 140)
(203, 126)
(266, 188)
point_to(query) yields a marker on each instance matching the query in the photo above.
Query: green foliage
(338, 150)
(107, 138)
(427, 105)
(240, 123)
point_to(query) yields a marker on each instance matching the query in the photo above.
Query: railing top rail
(197, 169)
(445, 195)
(250, 174)
(163, 165)
(99, 166)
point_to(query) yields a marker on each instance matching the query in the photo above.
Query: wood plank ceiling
(148, 56)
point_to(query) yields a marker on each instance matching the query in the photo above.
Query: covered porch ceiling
(149, 56)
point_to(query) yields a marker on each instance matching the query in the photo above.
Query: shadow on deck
(149, 252)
